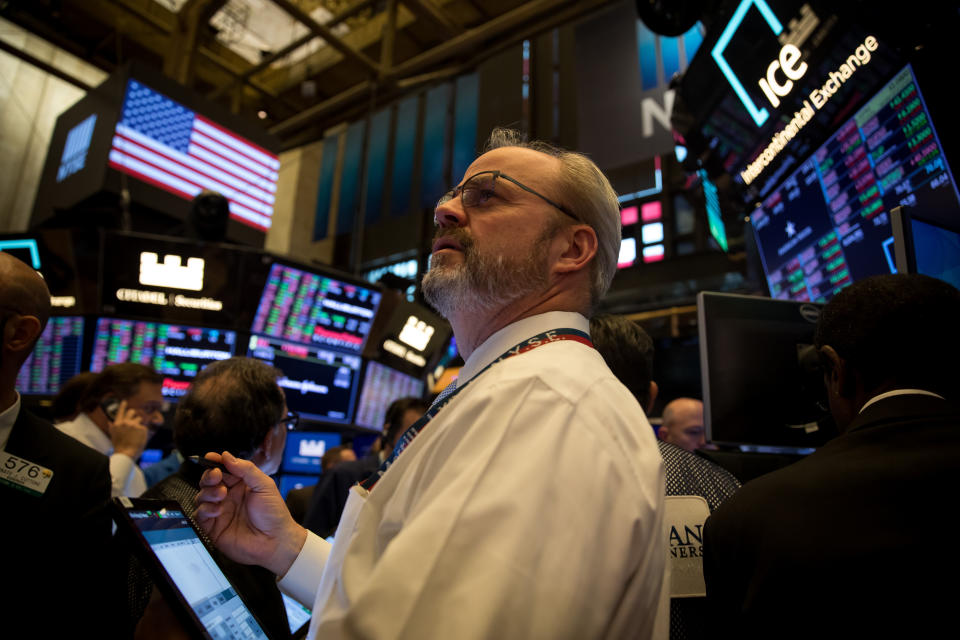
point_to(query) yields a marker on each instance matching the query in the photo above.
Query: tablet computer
(184, 570)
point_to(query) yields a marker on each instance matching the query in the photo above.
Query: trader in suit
(54, 491)
(855, 539)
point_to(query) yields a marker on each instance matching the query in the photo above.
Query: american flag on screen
(169, 146)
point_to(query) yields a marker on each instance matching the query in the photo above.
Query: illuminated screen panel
(305, 449)
(176, 352)
(315, 309)
(828, 224)
(171, 147)
(55, 359)
(320, 384)
(381, 386)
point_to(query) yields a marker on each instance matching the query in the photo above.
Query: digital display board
(176, 352)
(828, 223)
(305, 449)
(315, 309)
(381, 386)
(165, 144)
(320, 384)
(56, 358)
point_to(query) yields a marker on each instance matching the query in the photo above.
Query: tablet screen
(297, 615)
(195, 573)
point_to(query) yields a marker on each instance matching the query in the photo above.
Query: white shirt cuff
(121, 468)
(303, 578)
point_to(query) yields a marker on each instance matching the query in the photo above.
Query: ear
(21, 332)
(579, 248)
(837, 377)
(654, 390)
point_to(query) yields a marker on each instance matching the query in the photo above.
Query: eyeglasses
(291, 419)
(478, 188)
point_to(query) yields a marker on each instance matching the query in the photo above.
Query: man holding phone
(116, 414)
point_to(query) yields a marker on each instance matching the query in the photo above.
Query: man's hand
(245, 516)
(128, 433)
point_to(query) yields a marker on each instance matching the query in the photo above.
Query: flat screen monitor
(926, 246)
(381, 386)
(315, 309)
(320, 384)
(756, 392)
(56, 358)
(176, 352)
(828, 223)
(288, 481)
(305, 449)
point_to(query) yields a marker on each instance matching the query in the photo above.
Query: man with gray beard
(527, 502)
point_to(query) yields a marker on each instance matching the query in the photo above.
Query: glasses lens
(477, 190)
(291, 419)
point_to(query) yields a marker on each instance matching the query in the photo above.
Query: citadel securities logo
(171, 273)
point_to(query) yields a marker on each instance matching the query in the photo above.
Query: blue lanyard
(553, 335)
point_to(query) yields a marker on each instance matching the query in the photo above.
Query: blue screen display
(305, 449)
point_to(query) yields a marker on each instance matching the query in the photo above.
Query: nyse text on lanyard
(554, 335)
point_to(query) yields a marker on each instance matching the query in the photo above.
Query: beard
(482, 282)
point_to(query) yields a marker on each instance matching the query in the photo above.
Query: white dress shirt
(126, 477)
(7, 418)
(529, 507)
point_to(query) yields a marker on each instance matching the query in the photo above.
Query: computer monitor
(925, 246)
(55, 358)
(176, 352)
(316, 309)
(759, 390)
(288, 481)
(320, 384)
(381, 386)
(305, 449)
(828, 222)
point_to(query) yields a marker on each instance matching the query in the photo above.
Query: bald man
(683, 424)
(55, 534)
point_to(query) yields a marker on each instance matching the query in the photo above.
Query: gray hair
(584, 190)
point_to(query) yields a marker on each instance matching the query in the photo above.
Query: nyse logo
(416, 333)
(313, 448)
(171, 273)
(783, 71)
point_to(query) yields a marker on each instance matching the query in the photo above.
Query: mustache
(461, 236)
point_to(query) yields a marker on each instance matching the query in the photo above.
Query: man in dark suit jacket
(59, 568)
(855, 539)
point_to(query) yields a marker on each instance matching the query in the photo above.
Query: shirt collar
(7, 418)
(898, 392)
(101, 441)
(513, 334)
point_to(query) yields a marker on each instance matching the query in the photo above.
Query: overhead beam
(341, 17)
(323, 32)
(43, 66)
(487, 31)
(430, 13)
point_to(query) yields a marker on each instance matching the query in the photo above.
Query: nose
(450, 214)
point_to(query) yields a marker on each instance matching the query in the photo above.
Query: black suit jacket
(856, 539)
(59, 562)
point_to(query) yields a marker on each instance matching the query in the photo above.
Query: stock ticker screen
(55, 359)
(310, 308)
(320, 384)
(176, 352)
(828, 222)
